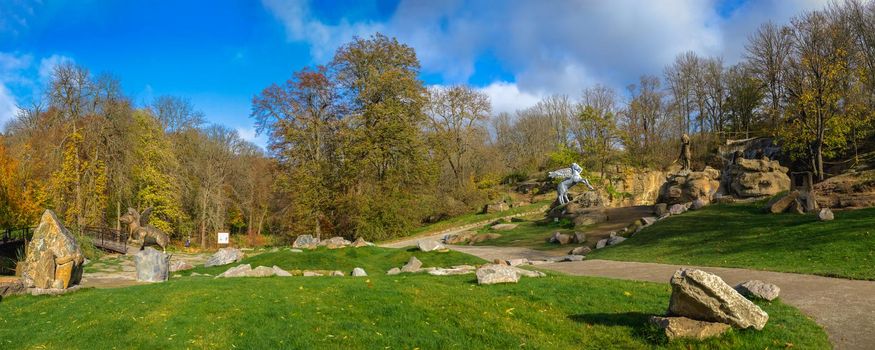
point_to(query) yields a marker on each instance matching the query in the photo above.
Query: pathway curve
(845, 308)
(431, 236)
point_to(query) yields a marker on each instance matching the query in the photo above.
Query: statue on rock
(139, 229)
(53, 258)
(571, 177)
(686, 156)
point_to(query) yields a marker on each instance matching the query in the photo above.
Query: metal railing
(15, 234)
(106, 238)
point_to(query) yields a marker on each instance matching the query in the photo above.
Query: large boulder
(179, 265)
(498, 273)
(703, 296)
(494, 274)
(225, 256)
(781, 204)
(152, 265)
(53, 258)
(685, 187)
(757, 177)
(682, 327)
(306, 242)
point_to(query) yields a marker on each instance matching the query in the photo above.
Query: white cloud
(323, 39)
(550, 46)
(507, 97)
(8, 106)
(249, 134)
(12, 72)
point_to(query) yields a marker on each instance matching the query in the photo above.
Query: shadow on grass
(638, 322)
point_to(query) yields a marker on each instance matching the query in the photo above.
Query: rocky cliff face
(641, 187)
(54, 259)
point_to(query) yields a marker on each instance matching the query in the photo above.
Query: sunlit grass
(744, 236)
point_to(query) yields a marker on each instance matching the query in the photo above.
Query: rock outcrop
(152, 265)
(851, 190)
(703, 296)
(756, 178)
(686, 187)
(53, 258)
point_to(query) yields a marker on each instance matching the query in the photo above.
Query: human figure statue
(571, 177)
(685, 155)
(139, 229)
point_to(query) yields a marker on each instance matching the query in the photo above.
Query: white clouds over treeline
(550, 46)
(18, 72)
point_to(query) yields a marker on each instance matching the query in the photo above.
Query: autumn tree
(455, 115)
(596, 126)
(818, 81)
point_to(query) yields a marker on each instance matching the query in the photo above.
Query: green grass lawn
(376, 312)
(529, 233)
(373, 260)
(741, 235)
(466, 219)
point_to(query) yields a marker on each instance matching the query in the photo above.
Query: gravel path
(845, 308)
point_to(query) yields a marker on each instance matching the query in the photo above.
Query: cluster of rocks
(414, 265)
(612, 239)
(499, 272)
(310, 242)
(800, 203)
(793, 202)
(702, 305)
(565, 238)
(246, 270)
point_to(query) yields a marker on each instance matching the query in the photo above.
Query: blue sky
(220, 53)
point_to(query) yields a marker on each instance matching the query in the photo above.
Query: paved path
(432, 236)
(845, 308)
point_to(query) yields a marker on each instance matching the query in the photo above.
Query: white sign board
(224, 238)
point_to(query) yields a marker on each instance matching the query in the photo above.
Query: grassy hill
(376, 312)
(742, 235)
